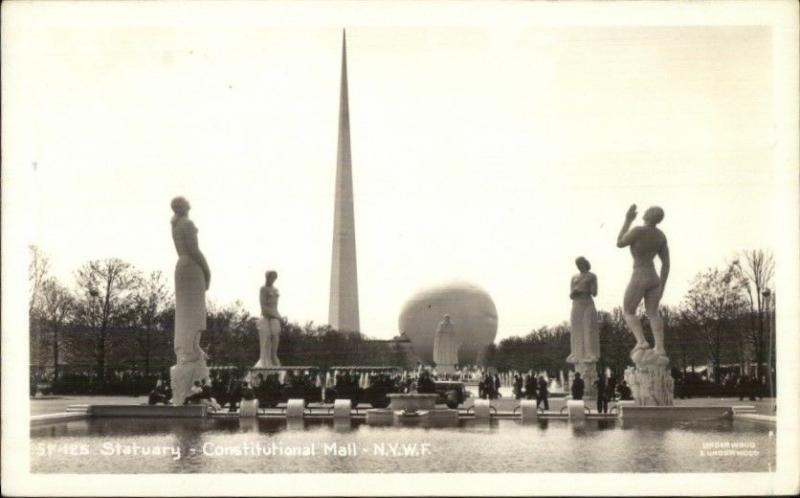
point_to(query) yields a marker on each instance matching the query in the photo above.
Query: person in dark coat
(577, 387)
(541, 394)
(602, 394)
(518, 386)
(611, 388)
(530, 387)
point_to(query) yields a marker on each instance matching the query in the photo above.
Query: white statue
(192, 278)
(650, 378)
(584, 331)
(269, 325)
(445, 346)
(584, 334)
(645, 243)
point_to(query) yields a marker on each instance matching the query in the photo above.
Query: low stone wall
(182, 411)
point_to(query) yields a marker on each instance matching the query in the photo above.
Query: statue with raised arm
(646, 242)
(192, 278)
(269, 325)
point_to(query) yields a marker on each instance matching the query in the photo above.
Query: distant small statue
(584, 334)
(269, 325)
(192, 278)
(646, 242)
(445, 346)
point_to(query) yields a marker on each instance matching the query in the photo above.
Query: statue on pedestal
(445, 346)
(584, 333)
(269, 325)
(649, 379)
(192, 278)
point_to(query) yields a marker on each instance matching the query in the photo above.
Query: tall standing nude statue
(269, 326)
(584, 332)
(650, 378)
(192, 278)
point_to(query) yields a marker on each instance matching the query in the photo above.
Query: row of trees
(118, 318)
(116, 315)
(725, 318)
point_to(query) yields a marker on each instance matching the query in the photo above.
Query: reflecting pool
(119, 445)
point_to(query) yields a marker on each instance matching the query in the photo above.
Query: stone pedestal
(481, 409)
(341, 409)
(528, 409)
(295, 408)
(183, 376)
(248, 408)
(576, 410)
(651, 383)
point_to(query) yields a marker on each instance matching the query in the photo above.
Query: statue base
(651, 383)
(183, 376)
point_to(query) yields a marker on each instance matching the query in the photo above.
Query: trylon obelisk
(343, 310)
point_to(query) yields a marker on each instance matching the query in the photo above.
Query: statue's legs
(651, 301)
(275, 337)
(264, 340)
(591, 335)
(633, 296)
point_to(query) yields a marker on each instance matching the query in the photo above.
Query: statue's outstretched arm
(627, 236)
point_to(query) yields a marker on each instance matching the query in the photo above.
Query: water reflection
(248, 424)
(469, 446)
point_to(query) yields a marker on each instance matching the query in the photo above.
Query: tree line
(118, 317)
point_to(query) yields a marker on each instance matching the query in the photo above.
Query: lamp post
(767, 296)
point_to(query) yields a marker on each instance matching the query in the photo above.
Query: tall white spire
(343, 309)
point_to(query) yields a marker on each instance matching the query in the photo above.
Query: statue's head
(180, 206)
(583, 264)
(271, 276)
(446, 318)
(653, 215)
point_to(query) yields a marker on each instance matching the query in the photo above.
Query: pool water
(121, 445)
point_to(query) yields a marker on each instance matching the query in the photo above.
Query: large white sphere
(471, 309)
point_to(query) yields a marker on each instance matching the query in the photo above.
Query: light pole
(767, 295)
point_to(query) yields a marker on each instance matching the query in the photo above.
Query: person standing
(577, 387)
(518, 386)
(541, 394)
(611, 388)
(602, 396)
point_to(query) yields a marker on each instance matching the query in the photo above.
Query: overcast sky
(489, 154)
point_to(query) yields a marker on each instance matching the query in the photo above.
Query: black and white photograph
(400, 248)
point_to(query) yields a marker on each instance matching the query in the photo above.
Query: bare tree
(150, 301)
(107, 288)
(38, 270)
(757, 271)
(713, 305)
(56, 310)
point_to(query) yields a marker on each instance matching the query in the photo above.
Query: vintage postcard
(400, 248)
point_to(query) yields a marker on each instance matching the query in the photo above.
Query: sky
(488, 153)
